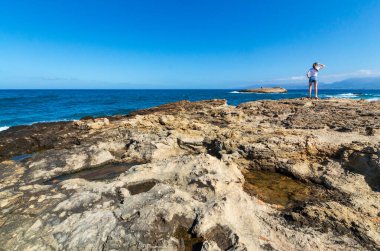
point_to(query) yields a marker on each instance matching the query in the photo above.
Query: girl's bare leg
(310, 89)
(316, 89)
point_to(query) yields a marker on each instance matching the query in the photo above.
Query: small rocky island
(264, 175)
(266, 90)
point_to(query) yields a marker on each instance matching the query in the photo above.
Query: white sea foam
(344, 95)
(366, 96)
(50, 121)
(245, 92)
(3, 128)
(373, 99)
(348, 95)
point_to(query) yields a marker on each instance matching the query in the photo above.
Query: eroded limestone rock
(188, 184)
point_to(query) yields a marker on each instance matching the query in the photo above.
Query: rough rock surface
(186, 183)
(266, 90)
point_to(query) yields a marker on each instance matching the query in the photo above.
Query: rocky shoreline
(265, 175)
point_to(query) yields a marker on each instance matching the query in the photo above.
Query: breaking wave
(3, 128)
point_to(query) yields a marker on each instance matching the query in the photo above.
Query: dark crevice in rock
(268, 247)
(141, 187)
(120, 196)
(214, 147)
(200, 184)
(178, 227)
(104, 246)
(223, 237)
(187, 240)
(105, 171)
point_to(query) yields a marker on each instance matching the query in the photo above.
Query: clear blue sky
(184, 43)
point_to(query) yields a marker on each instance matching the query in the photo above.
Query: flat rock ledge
(266, 90)
(265, 175)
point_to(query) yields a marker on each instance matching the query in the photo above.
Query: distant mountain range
(354, 83)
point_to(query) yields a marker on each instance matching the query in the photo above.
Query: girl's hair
(315, 65)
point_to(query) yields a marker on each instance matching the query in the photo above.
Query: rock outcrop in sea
(265, 175)
(266, 90)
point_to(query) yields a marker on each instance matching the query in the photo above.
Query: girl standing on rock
(312, 76)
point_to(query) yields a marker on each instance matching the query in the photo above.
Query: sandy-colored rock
(182, 176)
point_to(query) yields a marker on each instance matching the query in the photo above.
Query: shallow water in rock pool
(279, 189)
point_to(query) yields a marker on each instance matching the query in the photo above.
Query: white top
(314, 72)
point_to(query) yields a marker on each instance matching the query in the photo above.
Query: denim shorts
(313, 79)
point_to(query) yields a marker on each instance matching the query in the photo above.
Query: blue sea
(23, 107)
